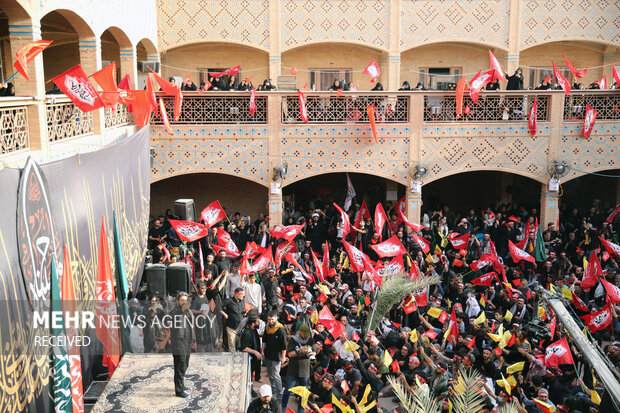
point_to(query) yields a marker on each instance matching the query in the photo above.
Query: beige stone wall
(57, 59)
(253, 62)
(334, 55)
(235, 194)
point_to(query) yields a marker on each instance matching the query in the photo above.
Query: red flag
(225, 242)
(345, 386)
(303, 111)
(471, 343)
(461, 86)
(289, 257)
(603, 83)
(453, 327)
(202, 263)
(326, 260)
(612, 248)
(75, 84)
(421, 297)
(424, 245)
(140, 106)
(125, 83)
(164, 117)
(484, 261)
(558, 353)
(247, 307)
(355, 257)
(322, 298)
(252, 250)
(363, 213)
(371, 117)
(283, 249)
(395, 367)
(613, 292)
(410, 306)
(497, 69)
(380, 220)
(414, 227)
(338, 93)
(600, 320)
(615, 72)
(106, 79)
(229, 72)
(592, 272)
(414, 272)
(552, 327)
(578, 73)
(27, 53)
(578, 303)
(318, 266)
(430, 334)
(478, 83)
(395, 266)
(252, 101)
(326, 317)
(167, 87)
(458, 241)
(212, 214)
(346, 226)
(293, 71)
(373, 71)
(189, 231)
(389, 248)
(150, 91)
(561, 80)
(485, 279)
(106, 306)
(178, 103)
(288, 232)
(75, 362)
(588, 121)
(400, 205)
(531, 123)
(259, 264)
(518, 254)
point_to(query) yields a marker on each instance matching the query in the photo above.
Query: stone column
(394, 47)
(273, 127)
(549, 206)
(90, 59)
(275, 58)
(129, 66)
(275, 68)
(414, 206)
(393, 72)
(514, 37)
(20, 35)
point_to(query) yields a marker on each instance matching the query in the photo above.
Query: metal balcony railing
(606, 103)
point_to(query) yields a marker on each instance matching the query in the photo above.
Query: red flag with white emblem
(613, 292)
(326, 260)
(260, 264)
(212, 214)
(189, 231)
(561, 80)
(485, 279)
(497, 69)
(355, 257)
(373, 71)
(592, 272)
(396, 266)
(612, 248)
(252, 108)
(289, 257)
(603, 83)
(318, 266)
(288, 232)
(558, 353)
(421, 297)
(346, 226)
(478, 83)
(380, 220)
(284, 249)
(518, 254)
(459, 241)
(531, 120)
(225, 242)
(303, 111)
(414, 227)
(363, 213)
(600, 320)
(75, 84)
(578, 73)
(389, 248)
(424, 245)
(414, 271)
(485, 259)
(579, 304)
(588, 121)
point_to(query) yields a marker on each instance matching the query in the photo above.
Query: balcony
(14, 131)
(65, 120)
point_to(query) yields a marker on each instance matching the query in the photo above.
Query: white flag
(350, 194)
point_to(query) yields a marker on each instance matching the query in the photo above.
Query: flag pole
(12, 76)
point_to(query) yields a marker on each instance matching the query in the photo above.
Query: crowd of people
(273, 315)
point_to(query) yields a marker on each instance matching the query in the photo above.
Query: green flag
(539, 252)
(122, 289)
(60, 380)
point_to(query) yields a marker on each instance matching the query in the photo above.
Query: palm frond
(511, 407)
(418, 401)
(467, 396)
(394, 288)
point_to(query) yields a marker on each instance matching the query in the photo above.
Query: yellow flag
(546, 407)
(585, 263)
(438, 250)
(481, 319)
(495, 337)
(346, 263)
(339, 404)
(503, 342)
(413, 336)
(324, 289)
(408, 260)
(366, 394)
(500, 330)
(567, 293)
(351, 346)
(449, 406)
(511, 380)
(506, 383)
(302, 392)
(595, 397)
(387, 359)
(552, 289)
(364, 409)
(513, 368)
(541, 311)
(593, 379)
(434, 312)
(483, 301)
(508, 316)
(315, 318)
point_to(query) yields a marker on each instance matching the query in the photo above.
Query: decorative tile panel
(600, 152)
(315, 151)
(448, 150)
(429, 21)
(188, 21)
(359, 21)
(553, 20)
(239, 152)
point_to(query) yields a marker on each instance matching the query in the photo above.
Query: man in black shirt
(206, 329)
(274, 346)
(232, 311)
(264, 403)
(157, 234)
(270, 284)
(181, 336)
(250, 343)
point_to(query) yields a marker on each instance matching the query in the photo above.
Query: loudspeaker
(156, 280)
(178, 276)
(185, 209)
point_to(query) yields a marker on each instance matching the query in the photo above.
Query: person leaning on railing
(7, 89)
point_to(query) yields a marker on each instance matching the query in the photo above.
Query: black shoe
(183, 395)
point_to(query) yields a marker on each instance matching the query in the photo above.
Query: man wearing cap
(232, 311)
(264, 403)
(298, 369)
(250, 343)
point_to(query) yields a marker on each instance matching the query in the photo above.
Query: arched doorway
(235, 194)
(114, 46)
(322, 190)
(478, 190)
(70, 34)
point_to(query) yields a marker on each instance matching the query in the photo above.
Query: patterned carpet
(143, 383)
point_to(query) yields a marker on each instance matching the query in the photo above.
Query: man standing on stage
(274, 349)
(181, 336)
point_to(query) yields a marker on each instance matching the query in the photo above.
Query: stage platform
(143, 383)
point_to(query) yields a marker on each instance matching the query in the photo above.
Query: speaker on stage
(178, 276)
(156, 280)
(185, 209)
